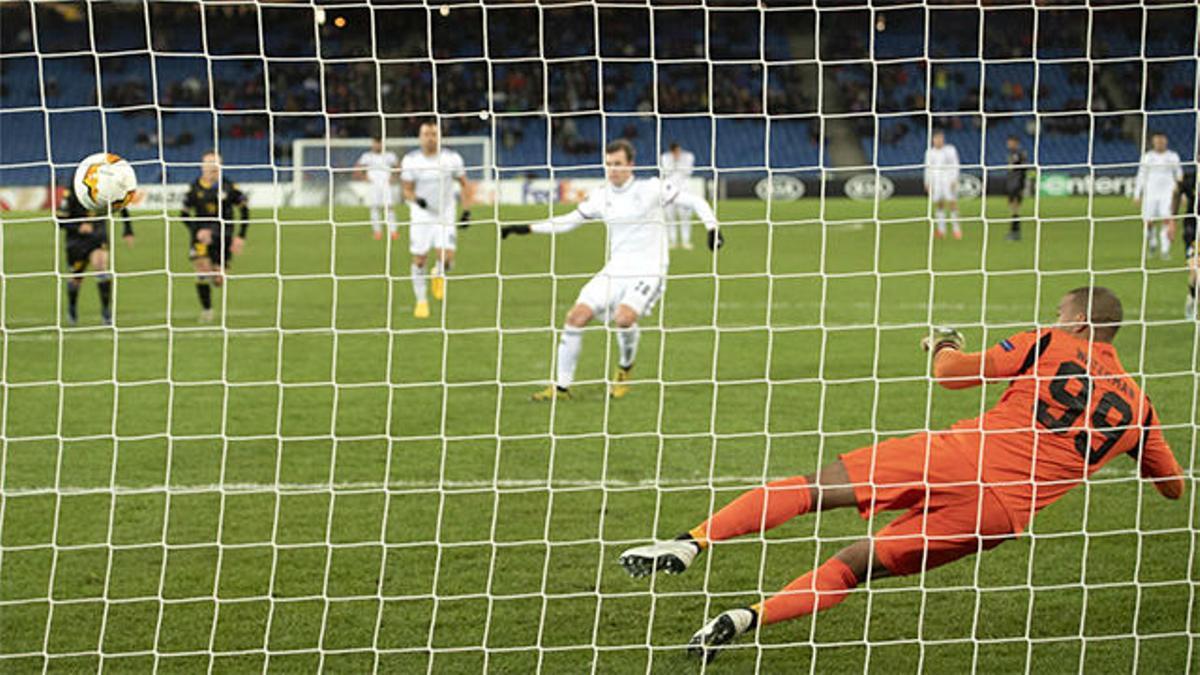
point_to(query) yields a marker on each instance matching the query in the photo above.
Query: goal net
(318, 478)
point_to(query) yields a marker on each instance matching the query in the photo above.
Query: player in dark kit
(208, 213)
(1014, 184)
(1185, 204)
(87, 246)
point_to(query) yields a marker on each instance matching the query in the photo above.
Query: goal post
(321, 167)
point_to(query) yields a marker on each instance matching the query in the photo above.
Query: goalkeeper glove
(514, 229)
(715, 239)
(420, 201)
(465, 221)
(942, 337)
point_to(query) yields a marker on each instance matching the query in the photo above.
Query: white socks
(419, 283)
(627, 343)
(1164, 240)
(954, 222)
(569, 345)
(941, 221)
(377, 222)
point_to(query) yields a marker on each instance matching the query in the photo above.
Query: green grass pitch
(333, 483)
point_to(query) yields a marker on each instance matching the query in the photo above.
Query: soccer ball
(103, 180)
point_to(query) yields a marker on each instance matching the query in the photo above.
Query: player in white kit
(429, 176)
(635, 275)
(941, 183)
(677, 165)
(376, 166)
(1157, 177)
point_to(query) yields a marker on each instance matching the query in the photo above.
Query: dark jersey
(212, 205)
(71, 214)
(1018, 167)
(72, 217)
(1185, 191)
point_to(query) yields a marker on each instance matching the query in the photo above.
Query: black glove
(715, 239)
(422, 203)
(514, 229)
(465, 221)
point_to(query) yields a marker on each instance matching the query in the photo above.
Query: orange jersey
(1069, 410)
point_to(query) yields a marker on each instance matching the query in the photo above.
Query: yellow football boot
(620, 386)
(552, 392)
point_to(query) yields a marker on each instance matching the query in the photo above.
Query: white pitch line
(503, 483)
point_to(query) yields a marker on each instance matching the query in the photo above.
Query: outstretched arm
(700, 206)
(1155, 460)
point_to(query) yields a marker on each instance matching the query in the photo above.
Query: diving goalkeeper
(1069, 409)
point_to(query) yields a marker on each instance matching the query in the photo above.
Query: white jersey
(677, 171)
(378, 166)
(941, 165)
(633, 213)
(1158, 174)
(434, 178)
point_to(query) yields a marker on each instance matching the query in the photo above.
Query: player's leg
(1166, 236)
(815, 591)
(756, 510)
(952, 202)
(945, 526)
(570, 343)
(389, 216)
(628, 336)
(1189, 308)
(939, 211)
(670, 216)
(637, 299)
(77, 260)
(376, 221)
(683, 220)
(420, 241)
(443, 257)
(99, 262)
(888, 476)
(1014, 210)
(202, 266)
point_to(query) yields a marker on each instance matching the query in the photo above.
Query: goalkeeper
(1069, 409)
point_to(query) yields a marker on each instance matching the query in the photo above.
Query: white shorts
(943, 191)
(604, 292)
(424, 235)
(379, 195)
(1156, 207)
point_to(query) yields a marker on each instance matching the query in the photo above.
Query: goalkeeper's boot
(552, 392)
(672, 557)
(620, 386)
(421, 311)
(707, 641)
(437, 286)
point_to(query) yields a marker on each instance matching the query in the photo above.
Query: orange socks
(757, 510)
(820, 589)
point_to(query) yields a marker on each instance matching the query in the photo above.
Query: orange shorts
(948, 514)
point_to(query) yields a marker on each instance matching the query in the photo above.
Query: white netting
(320, 479)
